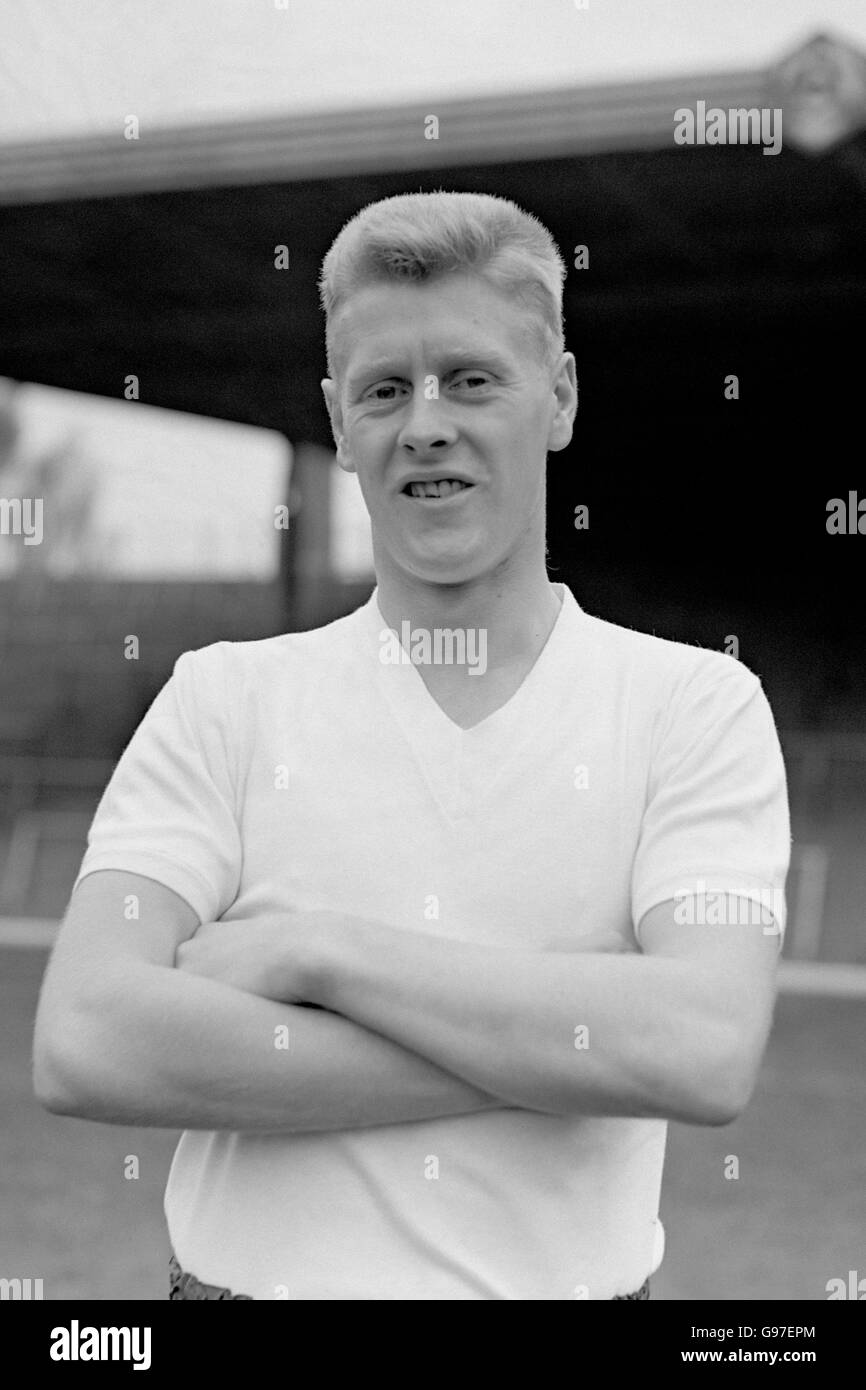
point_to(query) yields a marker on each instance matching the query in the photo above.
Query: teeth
(441, 489)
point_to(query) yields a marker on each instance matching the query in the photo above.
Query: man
(504, 846)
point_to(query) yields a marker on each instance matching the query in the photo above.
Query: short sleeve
(168, 810)
(717, 818)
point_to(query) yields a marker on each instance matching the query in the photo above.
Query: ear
(331, 393)
(565, 394)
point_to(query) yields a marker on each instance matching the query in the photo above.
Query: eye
(473, 380)
(384, 391)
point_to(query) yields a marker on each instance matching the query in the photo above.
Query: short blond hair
(416, 236)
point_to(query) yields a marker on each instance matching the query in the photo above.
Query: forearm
(160, 1047)
(561, 1033)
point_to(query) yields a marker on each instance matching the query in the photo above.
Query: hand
(260, 955)
(281, 955)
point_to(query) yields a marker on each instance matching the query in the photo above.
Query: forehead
(449, 315)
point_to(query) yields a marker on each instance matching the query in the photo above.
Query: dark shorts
(183, 1285)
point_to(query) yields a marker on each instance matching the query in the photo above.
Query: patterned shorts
(182, 1285)
(642, 1293)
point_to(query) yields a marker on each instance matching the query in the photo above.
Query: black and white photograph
(433, 665)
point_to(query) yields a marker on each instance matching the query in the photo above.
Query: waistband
(186, 1286)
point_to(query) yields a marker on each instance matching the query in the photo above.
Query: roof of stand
(112, 97)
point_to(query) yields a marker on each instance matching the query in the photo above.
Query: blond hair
(416, 236)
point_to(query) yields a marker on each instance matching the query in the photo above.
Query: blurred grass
(792, 1220)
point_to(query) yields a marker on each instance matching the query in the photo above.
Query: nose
(426, 425)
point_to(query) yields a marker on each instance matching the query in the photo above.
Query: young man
(528, 864)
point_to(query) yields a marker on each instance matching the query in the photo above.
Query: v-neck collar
(460, 765)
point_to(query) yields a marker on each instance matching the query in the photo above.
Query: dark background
(707, 516)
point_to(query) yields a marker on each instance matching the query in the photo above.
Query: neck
(517, 617)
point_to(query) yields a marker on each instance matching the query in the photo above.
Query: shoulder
(659, 669)
(223, 670)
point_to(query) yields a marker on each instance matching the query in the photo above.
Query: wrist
(336, 951)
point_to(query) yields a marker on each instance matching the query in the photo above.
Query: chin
(446, 569)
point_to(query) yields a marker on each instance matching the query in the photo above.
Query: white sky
(179, 495)
(73, 66)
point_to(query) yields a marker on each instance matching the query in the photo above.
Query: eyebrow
(455, 357)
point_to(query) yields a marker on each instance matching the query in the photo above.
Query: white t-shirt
(301, 772)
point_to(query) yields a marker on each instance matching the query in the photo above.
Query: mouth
(440, 490)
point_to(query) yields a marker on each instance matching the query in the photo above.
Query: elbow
(53, 1085)
(727, 1084)
(716, 1109)
(701, 1076)
(54, 1097)
(60, 1068)
(50, 1086)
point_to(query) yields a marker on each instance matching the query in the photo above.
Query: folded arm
(676, 1032)
(410, 1027)
(123, 1037)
